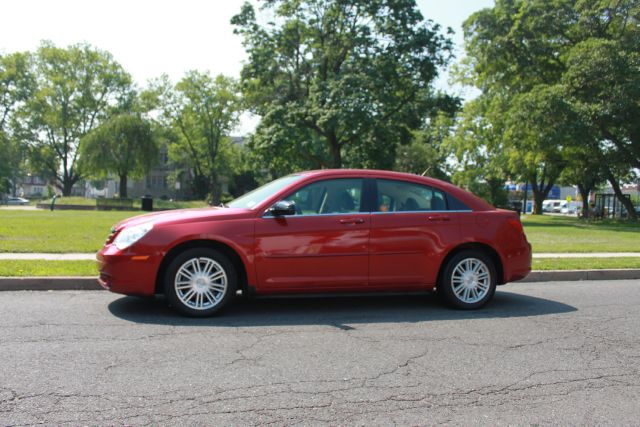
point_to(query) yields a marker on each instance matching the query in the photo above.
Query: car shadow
(339, 311)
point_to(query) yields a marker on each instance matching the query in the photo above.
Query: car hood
(179, 216)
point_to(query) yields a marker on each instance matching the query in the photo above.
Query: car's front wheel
(200, 281)
(468, 281)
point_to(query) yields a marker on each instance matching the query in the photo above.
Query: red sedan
(321, 231)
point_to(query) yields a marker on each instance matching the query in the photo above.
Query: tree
(603, 81)
(427, 154)
(541, 125)
(202, 111)
(16, 86)
(582, 55)
(76, 89)
(123, 145)
(481, 164)
(585, 171)
(339, 83)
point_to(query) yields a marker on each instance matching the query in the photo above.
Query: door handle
(352, 221)
(438, 218)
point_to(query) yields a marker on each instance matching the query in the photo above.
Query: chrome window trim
(264, 215)
(425, 211)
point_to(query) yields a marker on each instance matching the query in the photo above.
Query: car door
(323, 246)
(411, 229)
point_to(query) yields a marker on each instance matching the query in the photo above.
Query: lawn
(585, 263)
(157, 203)
(548, 233)
(59, 231)
(89, 268)
(85, 231)
(56, 232)
(47, 268)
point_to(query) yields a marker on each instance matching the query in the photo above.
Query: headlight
(130, 235)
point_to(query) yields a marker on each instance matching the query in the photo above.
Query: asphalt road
(547, 353)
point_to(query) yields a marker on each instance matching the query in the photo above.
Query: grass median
(89, 268)
(157, 203)
(33, 268)
(57, 231)
(555, 234)
(85, 231)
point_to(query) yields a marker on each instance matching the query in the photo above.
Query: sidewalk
(92, 257)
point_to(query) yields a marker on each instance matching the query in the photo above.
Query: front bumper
(127, 272)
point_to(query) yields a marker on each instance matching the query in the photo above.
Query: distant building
(31, 186)
(156, 183)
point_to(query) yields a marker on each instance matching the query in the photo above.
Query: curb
(83, 283)
(572, 275)
(62, 283)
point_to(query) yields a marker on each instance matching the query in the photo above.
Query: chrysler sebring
(321, 231)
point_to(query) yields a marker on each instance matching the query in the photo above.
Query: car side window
(332, 196)
(400, 196)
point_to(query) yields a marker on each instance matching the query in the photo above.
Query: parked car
(553, 205)
(17, 201)
(571, 208)
(321, 231)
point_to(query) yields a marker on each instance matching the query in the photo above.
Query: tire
(468, 281)
(200, 282)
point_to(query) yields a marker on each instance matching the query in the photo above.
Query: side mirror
(283, 207)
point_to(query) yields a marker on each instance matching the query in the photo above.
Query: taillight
(516, 224)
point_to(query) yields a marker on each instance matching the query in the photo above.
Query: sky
(149, 38)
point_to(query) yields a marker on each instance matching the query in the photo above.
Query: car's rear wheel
(200, 281)
(468, 281)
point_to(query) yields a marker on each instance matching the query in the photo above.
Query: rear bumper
(518, 264)
(127, 273)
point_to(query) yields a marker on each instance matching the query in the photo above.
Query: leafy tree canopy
(123, 145)
(202, 111)
(76, 88)
(339, 83)
(559, 79)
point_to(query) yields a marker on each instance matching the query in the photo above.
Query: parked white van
(553, 205)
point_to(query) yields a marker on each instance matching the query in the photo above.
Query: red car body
(356, 252)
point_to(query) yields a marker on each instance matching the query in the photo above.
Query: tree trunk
(538, 198)
(336, 155)
(584, 193)
(214, 194)
(618, 192)
(123, 186)
(67, 186)
(199, 186)
(540, 193)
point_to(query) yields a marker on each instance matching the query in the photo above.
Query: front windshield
(256, 196)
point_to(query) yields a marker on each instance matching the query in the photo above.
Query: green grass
(167, 204)
(157, 203)
(72, 201)
(47, 268)
(61, 231)
(85, 231)
(56, 232)
(548, 233)
(585, 263)
(89, 268)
